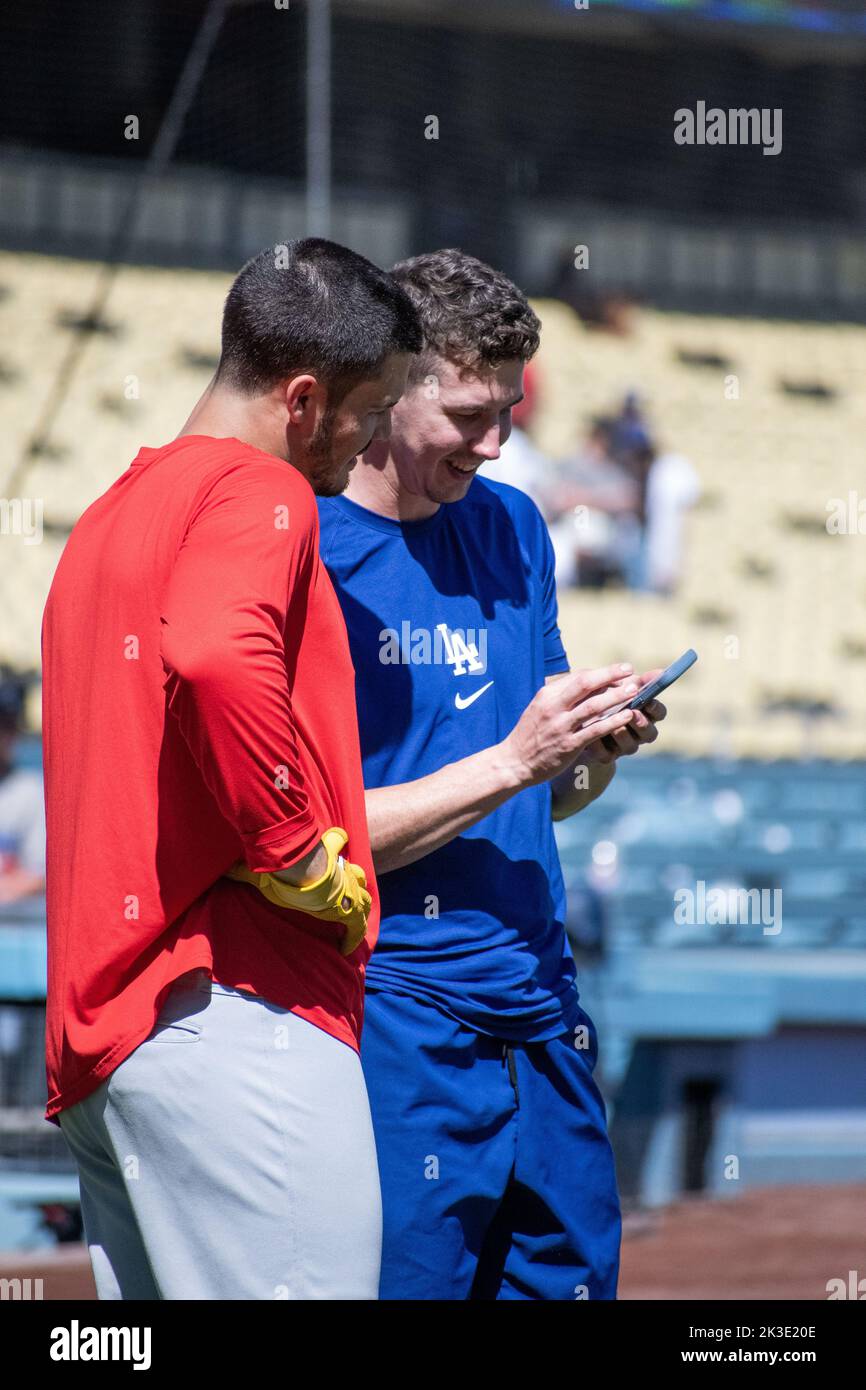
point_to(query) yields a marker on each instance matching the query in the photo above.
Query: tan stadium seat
(761, 570)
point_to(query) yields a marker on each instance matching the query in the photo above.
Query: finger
(358, 873)
(575, 687)
(651, 712)
(597, 705)
(655, 710)
(647, 677)
(643, 730)
(608, 724)
(628, 683)
(640, 721)
(597, 751)
(647, 735)
(628, 740)
(625, 743)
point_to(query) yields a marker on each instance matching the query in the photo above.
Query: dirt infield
(64, 1271)
(771, 1243)
(775, 1243)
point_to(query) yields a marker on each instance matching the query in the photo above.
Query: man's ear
(301, 393)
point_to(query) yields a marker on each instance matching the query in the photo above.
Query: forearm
(250, 765)
(580, 784)
(306, 870)
(409, 821)
(231, 627)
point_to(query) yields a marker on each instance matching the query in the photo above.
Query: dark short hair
(471, 314)
(316, 306)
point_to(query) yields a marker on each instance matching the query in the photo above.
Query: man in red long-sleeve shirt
(199, 721)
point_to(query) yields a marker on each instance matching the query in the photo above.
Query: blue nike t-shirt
(452, 625)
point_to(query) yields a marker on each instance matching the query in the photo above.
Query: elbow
(192, 660)
(385, 862)
(173, 653)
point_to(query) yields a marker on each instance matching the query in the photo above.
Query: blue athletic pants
(497, 1175)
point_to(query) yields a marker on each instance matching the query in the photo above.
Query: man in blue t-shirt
(497, 1174)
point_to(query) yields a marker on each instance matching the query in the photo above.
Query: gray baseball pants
(230, 1156)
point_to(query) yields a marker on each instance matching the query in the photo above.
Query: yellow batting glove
(340, 895)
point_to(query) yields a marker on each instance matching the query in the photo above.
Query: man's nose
(489, 444)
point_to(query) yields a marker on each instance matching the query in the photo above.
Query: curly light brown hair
(471, 315)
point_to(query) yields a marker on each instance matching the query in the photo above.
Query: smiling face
(346, 430)
(447, 425)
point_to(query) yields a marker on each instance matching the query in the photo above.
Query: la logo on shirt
(460, 654)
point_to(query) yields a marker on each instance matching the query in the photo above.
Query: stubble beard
(327, 479)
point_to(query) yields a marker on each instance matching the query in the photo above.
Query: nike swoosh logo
(464, 701)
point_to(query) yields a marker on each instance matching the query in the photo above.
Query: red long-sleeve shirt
(198, 708)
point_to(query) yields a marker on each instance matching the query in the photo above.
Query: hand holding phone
(652, 688)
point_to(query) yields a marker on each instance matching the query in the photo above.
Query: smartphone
(649, 692)
(673, 673)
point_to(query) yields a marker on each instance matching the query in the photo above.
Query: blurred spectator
(593, 523)
(22, 807)
(629, 430)
(614, 509)
(666, 486)
(588, 502)
(606, 501)
(672, 488)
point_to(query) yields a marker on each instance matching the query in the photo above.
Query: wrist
(307, 872)
(510, 770)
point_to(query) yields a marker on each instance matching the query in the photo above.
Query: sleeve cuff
(282, 844)
(556, 665)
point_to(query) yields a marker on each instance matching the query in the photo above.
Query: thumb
(358, 872)
(333, 840)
